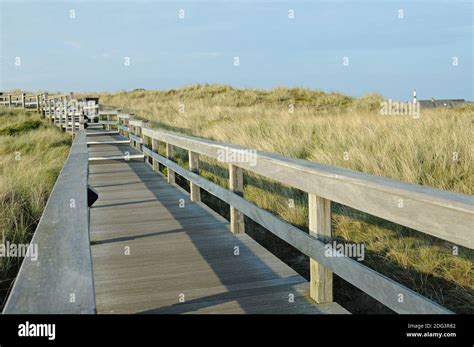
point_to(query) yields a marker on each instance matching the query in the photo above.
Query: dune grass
(435, 150)
(31, 156)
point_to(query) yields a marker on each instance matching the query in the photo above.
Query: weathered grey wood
(137, 123)
(374, 284)
(101, 133)
(175, 250)
(436, 212)
(61, 280)
(123, 127)
(108, 112)
(113, 142)
(320, 227)
(194, 167)
(236, 185)
(154, 146)
(108, 123)
(124, 130)
(118, 157)
(50, 112)
(169, 155)
(137, 140)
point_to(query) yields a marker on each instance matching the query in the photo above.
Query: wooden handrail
(440, 213)
(61, 281)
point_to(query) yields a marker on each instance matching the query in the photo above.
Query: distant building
(444, 103)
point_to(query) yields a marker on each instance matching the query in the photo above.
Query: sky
(350, 46)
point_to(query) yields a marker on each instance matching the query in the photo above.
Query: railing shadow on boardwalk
(221, 271)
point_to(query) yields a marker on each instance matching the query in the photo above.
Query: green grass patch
(22, 127)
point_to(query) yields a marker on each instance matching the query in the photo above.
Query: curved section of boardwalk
(151, 254)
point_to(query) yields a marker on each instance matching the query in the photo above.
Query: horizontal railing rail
(440, 213)
(60, 280)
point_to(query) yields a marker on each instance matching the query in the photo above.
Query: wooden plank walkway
(151, 255)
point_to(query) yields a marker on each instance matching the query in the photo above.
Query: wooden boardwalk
(152, 255)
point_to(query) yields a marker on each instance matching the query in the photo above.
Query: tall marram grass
(31, 157)
(435, 150)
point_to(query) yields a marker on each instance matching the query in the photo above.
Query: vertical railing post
(140, 135)
(41, 104)
(236, 184)
(48, 105)
(154, 147)
(65, 113)
(82, 121)
(52, 111)
(38, 103)
(145, 143)
(44, 103)
(169, 155)
(23, 97)
(194, 167)
(9, 101)
(57, 111)
(120, 122)
(60, 111)
(73, 114)
(131, 132)
(72, 111)
(320, 227)
(135, 132)
(68, 114)
(57, 118)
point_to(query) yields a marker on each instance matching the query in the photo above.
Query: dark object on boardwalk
(92, 196)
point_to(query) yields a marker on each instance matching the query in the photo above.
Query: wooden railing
(448, 216)
(60, 280)
(60, 109)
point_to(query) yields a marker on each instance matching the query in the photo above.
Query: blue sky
(386, 54)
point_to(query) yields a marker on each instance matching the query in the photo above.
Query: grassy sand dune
(31, 156)
(435, 150)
